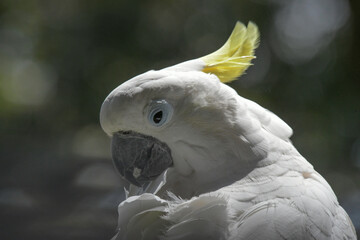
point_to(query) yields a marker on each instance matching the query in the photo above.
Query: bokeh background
(60, 59)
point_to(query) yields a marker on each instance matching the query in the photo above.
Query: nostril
(125, 132)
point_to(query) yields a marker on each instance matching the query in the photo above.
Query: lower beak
(139, 158)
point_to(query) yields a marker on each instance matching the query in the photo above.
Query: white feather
(233, 160)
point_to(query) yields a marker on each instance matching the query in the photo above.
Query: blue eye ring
(160, 112)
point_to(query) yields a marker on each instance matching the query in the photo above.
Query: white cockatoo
(206, 163)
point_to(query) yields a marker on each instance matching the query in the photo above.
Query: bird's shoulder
(287, 207)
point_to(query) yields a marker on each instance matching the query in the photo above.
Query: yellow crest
(232, 59)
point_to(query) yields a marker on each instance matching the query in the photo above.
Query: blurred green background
(60, 59)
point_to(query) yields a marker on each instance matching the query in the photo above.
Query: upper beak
(139, 158)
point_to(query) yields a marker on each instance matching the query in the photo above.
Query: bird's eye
(160, 112)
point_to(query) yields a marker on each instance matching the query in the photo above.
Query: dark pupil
(158, 116)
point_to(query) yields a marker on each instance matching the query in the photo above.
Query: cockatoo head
(176, 118)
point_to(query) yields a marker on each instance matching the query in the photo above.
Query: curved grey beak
(139, 158)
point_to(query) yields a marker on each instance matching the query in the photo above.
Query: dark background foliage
(60, 59)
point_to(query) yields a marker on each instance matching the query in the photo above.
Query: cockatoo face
(151, 114)
(172, 118)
